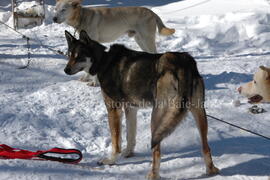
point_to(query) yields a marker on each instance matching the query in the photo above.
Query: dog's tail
(179, 84)
(167, 117)
(162, 29)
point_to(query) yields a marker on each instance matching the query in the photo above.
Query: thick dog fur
(258, 90)
(129, 80)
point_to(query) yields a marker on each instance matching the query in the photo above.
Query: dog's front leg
(114, 117)
(131, 122)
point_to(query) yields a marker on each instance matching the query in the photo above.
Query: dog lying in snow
(107, 24)
(258, 90)
(129, 80)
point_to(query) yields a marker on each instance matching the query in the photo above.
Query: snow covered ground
(41, 107)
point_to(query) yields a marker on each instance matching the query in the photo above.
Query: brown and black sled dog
(129, 80)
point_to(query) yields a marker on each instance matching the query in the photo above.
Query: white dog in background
(258, 90)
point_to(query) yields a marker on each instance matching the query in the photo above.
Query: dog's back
(129, 76)
(132, 76)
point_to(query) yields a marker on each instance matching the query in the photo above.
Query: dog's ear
(76, 3)
(84, 37)
(70, 38)
(97, 51)
(266, 70)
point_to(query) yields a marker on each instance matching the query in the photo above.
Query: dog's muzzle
(55, 19)
(68, 71)
(255, 99)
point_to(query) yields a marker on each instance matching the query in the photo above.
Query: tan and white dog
(258, 90)
(104, 24)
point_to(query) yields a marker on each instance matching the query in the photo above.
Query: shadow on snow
(237, 145)
(211, 81)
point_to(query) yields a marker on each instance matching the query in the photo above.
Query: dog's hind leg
(150, 42)
(131, 122)
(154, 173)
(166, 115)
(146, 36)
(200, 116)
(146, 43)
(163, 122)
(114, 116)
(139, 41)
(198, 111)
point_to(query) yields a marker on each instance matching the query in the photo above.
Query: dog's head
(65, 10)
(258, 90)
(84, 54)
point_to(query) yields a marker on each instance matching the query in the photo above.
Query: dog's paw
(93, 84)
(106, 161)
(127, 153)
(84, 79)
(212, 171)
(153, 176)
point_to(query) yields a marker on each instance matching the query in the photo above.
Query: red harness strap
(7, 152)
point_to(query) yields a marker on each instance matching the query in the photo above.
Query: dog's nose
(67, 70)
(54, 19)
(239, 90)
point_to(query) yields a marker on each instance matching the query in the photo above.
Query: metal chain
(28, 39)
(28, 53)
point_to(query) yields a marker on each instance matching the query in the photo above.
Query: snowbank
(229, 29)
(232, 33)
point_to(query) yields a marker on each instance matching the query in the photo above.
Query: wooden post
(13, 12)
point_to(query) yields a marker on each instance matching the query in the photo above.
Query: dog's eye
(255, 82)
(63, 10)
